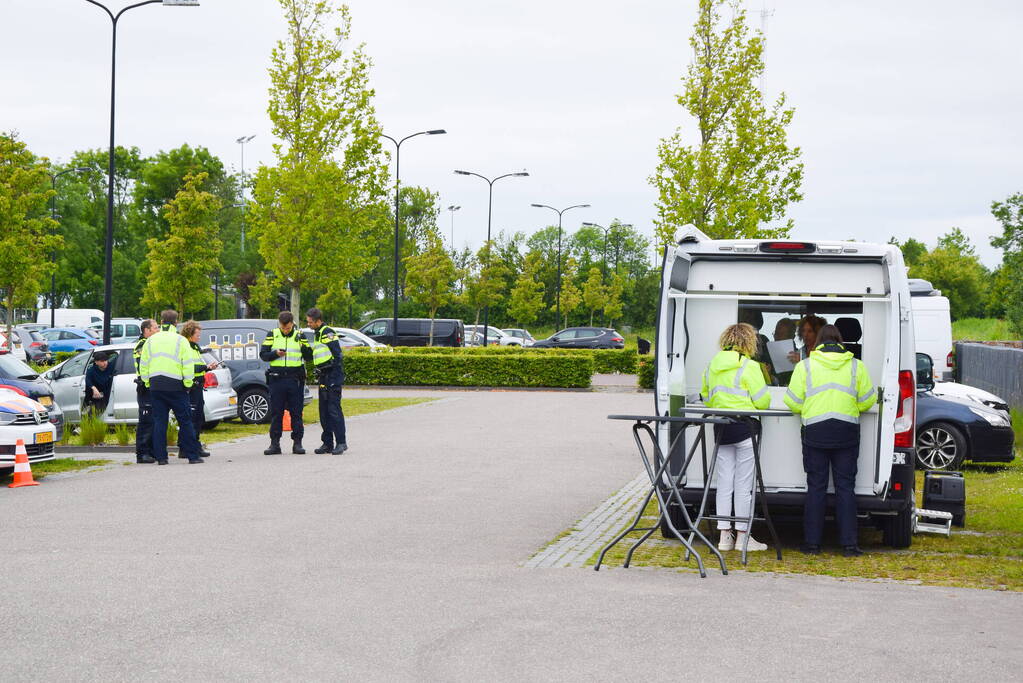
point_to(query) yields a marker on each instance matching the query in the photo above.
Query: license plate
(46, 400)
(232, 400)
(44, 437)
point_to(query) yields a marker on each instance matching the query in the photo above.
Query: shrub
(469, 369)
(645, 375)
(172, 433)
(604, 360)
(62, 356)
(124, 434)
(92, 430)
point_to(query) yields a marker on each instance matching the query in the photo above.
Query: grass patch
(228, 431)
(41, 469)
(981, 329)
(989, 555)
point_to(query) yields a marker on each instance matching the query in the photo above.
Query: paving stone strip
(594, 530)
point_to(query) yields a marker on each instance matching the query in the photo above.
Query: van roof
(693, 241)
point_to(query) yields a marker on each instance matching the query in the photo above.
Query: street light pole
(397, 195)
(490, 211)
(241, 142)
(53, 216)
(108, 248)
(452, 209)
(603, 258)
(557, 313)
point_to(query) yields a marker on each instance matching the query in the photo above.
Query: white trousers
(734, 472)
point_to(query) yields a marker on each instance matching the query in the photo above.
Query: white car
(18, 351)
(492, 334)
(349, 338)
(23, 418)
(972, 393)
(68, 382)
(523, 336)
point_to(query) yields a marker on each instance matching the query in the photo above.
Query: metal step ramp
(939, 522)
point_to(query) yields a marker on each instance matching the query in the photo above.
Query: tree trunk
(10, 317)
(432, 313)
(591, 317)
(296, 301)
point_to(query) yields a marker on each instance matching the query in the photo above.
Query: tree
(180, 264)
(953, 267)
(594, 296)
(431, 277)
(26, 239)
(318, 219)
(912, 250)
(485, 286)
(741, 174)
(526, 299)
(1010, 214)
(613, 303)
(571, 297)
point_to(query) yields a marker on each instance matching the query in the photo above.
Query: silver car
(68, 383)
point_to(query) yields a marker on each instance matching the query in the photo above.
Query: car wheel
(254, 406)
(940, 446)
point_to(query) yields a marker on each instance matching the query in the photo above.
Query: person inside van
(829, 390)
(784, 329)
(808, 329)
(733, 380)
(99, 380)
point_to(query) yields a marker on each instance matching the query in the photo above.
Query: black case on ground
(946, 491)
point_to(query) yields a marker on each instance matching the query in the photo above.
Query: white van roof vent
(919, 287)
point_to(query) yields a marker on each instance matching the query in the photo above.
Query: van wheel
(898, 530)
(940, 446)
(254, 406)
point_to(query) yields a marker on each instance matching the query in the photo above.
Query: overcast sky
(908, 113)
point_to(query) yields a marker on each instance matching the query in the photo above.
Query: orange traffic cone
(22, 470)
(287, 421)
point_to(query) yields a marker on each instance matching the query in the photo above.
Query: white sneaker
(727, 541)
(753, 544)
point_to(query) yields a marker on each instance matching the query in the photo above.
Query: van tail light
(209, 381)
(905, 418)
(950, 361)
(14, 389)
(788, 247)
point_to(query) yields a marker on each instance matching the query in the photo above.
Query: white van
(862, 289)
(932, 324)
(70, 317)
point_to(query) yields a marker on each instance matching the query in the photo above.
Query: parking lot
(403, 559)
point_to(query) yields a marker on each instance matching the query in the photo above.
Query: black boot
(275, 448)
(339, 449)
(144, 459)
(323, 449)
(297, 449)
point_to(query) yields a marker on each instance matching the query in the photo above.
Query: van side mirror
(924, 372)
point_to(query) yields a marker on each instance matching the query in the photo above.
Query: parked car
(35, 327)
(16, 349)
(956, 390)
(416, 331)
(68, 383)
(236, 342)
(69, 339)
(18, 377)
(122, 330)
(349, 338)
(951, 429)
(495, 337)
(28, 420)
(583, 338)
(36, 347)
(523, 336)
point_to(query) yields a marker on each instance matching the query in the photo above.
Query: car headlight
(994, 419)
(7, 418)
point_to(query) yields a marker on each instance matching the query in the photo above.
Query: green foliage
(981, 329)
(485, 285)
(593, 292)
(180, 265)
(92, 430)
(571, 297)
(62, 356)
(912, 250)
(1010, 214)
(466, 369)
(172, 433)
(645, 373)
(740, 174)
(26, 239)
(605, 361)
(431, 277)
(124, 434)
(953, 267)
(613, 298)
(526, 300)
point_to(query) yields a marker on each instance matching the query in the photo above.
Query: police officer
(144, 431)
(330, 376)
(829, 390)
(192, 331)
(286, 350)
(168, 371)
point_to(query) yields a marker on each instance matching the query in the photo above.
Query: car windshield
(13, 368)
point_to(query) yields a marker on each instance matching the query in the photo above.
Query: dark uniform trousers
(287, 392)
(163, 403)
(197, 404)
(842, 463)
(144, 431)
(332, 420)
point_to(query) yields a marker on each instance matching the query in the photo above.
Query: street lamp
(241, 142)
(452, 209)
(397, 194)
(557, 313)
(108, 250)
(53, 215)
(490, 210)
(603, 257)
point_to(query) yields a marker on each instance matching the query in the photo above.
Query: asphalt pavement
(402, 560)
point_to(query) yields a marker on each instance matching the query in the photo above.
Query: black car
(36, 347)
(952, 429)
(583, 338)
(416, 331)
(20, 378)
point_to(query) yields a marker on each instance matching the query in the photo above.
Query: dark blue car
(19, 377)
(69, 339)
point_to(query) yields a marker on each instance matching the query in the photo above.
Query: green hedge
(62, 356)
(604, 360)
(468, 369)
(645, 376)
